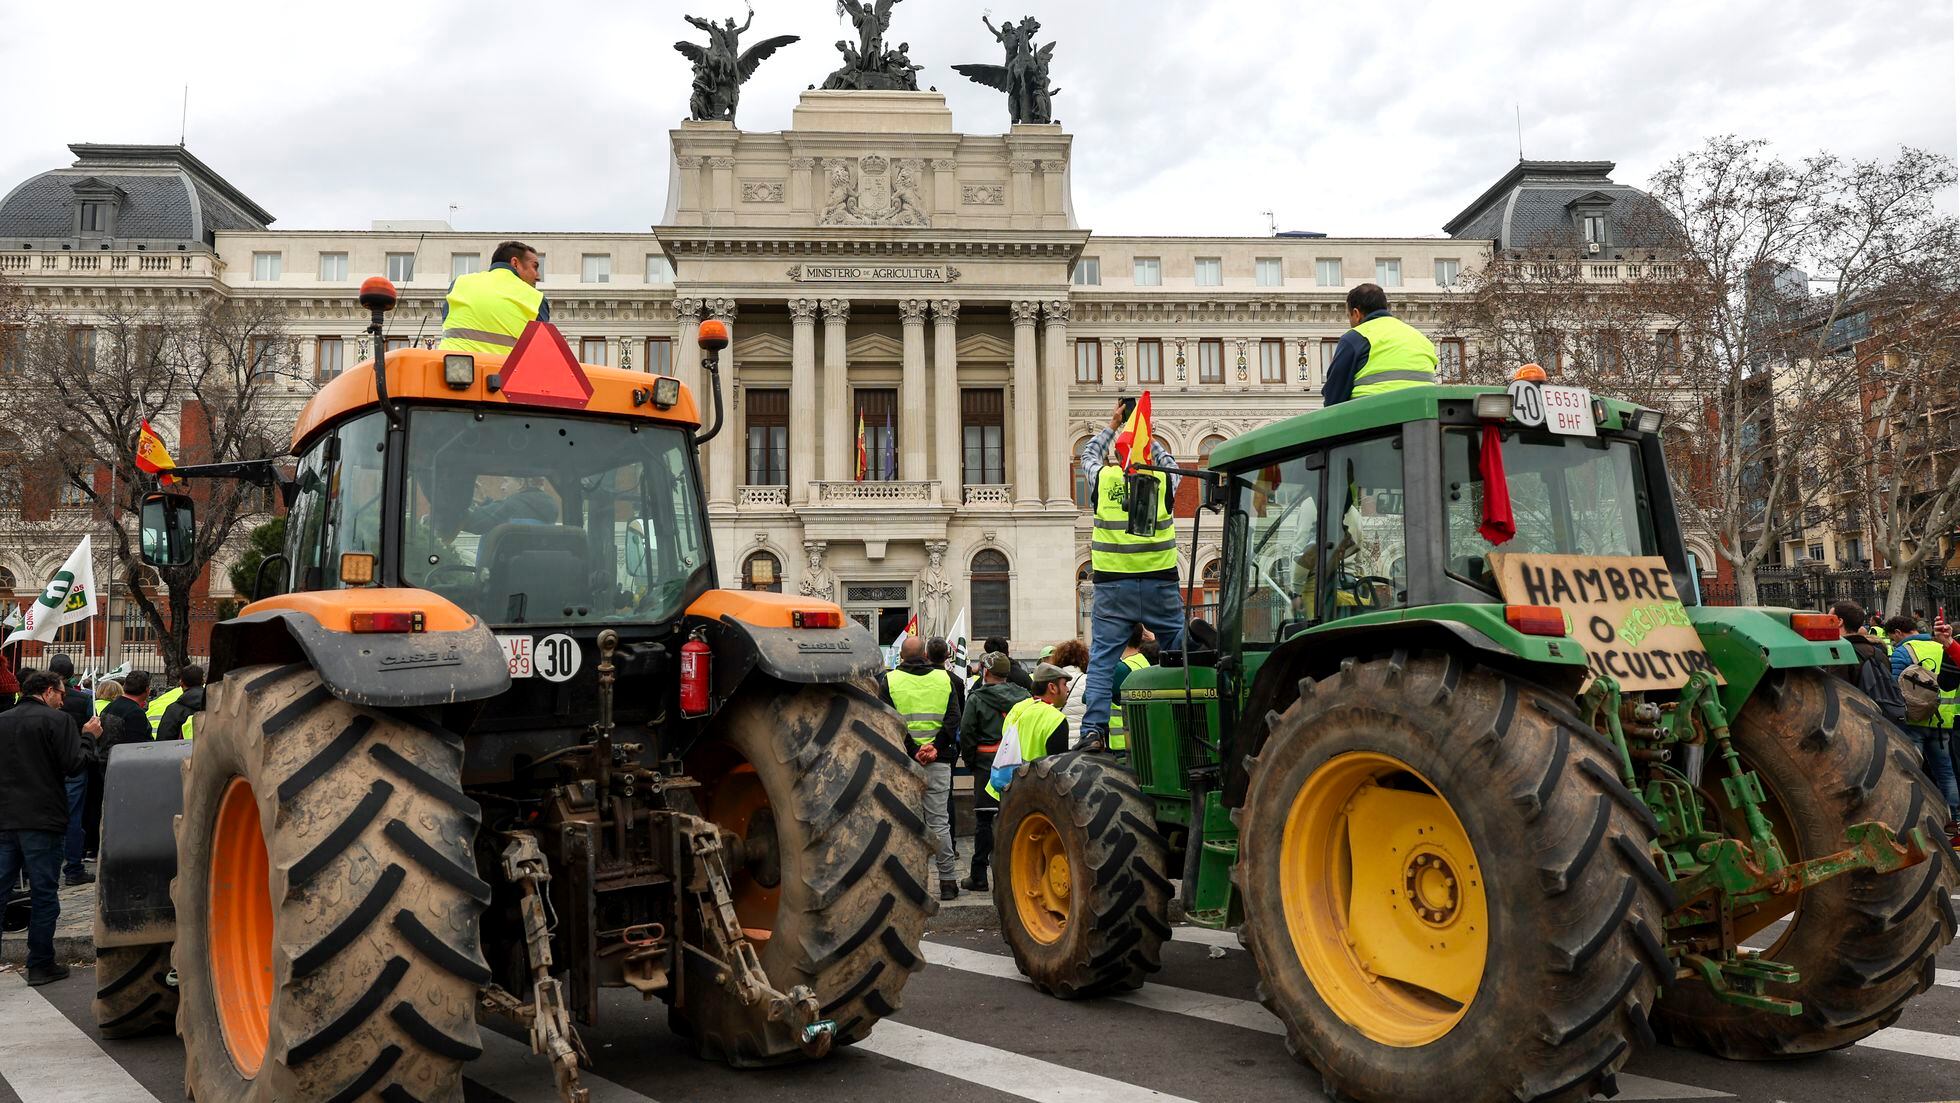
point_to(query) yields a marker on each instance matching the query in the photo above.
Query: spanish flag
(860, 447)
(153, 457)
(912, 626)
(1133, 440)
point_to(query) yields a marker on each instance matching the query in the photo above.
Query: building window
(95, 218)
(463, 264)
(659, 270)
(267, 266)
(329, 359)
(1667, 347)
(333, 266)
(1268, 272)
(878, 413)
(1327, 272)
(992, 595)
(592, 350)
(762, 571)
(70, 495)
(1088, 361)
(1815, 551)
(1208, 591)
(81, 347)
(1208, 272)
(1211, 360)
(1594, 226)
(1085, 486)
(1147, 272)
(1328, 345)
(10, 350)
(401, 267)
(595, 268)
(1447, 270)
(1150, 360)
(1449, 359)
(768, 414)
(984, 456)
(660, 355)
(396, 344)
(1088, 272)
(1388, 271)
(1272, 360)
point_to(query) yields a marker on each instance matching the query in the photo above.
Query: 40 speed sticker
(555, 658)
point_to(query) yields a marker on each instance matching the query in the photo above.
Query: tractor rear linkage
(1718, 876)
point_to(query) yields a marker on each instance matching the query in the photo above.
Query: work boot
(948, 890)
(82, 878)
(46, 974)
(975, 881)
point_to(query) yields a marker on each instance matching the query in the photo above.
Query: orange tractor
(500, 741)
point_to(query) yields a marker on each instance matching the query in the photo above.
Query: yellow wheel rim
(1040, 867)
(1384, 899)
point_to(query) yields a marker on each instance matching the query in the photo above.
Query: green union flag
(68, 597)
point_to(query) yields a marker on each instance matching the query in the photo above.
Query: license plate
(1569, 412)
(518, 653)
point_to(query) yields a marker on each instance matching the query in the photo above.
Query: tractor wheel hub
(1430, 885)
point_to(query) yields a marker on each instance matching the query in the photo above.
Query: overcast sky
(1189, 117)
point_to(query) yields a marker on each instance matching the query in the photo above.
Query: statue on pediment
(722, 65)
(1024, 77)
(868, 65)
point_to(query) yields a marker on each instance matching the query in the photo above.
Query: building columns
(687, 349)
(1057, 368)
(912, 391)
(722, 455)
(946, 430)
(838, 422)
(802, 398)
(1027, 407)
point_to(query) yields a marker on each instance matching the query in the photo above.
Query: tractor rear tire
(327, 900)
(1534, 835)
(841, 893)
(1080, 877)
(134, 991)
(1864, 943)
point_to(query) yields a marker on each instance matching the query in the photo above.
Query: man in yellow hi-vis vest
(1133, 660)
(923, 695)
(179, 713)
(486, 311)
(1381, 353)
(1135, 576)
(1033, 729)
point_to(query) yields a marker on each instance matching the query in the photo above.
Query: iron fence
(1926, 591)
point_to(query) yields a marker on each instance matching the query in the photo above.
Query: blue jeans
(1119, 608)
(1939, 763)
(39, 852)
(77, 797)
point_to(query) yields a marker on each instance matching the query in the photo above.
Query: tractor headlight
(1494, 407)
(666, 392)
(459, 370)
(1647, 421)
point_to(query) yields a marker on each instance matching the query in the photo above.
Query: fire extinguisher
(696, 664)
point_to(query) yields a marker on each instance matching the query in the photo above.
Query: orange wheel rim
(241, 928)
(739, 805)
(1043, 883)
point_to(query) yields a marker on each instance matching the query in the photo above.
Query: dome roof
(159, 193)
(1540, 203)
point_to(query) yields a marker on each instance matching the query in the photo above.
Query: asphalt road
(972, 1030)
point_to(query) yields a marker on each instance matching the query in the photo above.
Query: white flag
(958, 638)
(68, 597)
(14, 618)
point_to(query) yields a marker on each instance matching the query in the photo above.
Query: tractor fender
(1746, 643)
(142, 795)
(800, 656)
(1319, 654)
(458, 660)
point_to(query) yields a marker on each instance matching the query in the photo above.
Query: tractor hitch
(1729, 871)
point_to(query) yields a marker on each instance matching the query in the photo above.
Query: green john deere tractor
(1488, 815)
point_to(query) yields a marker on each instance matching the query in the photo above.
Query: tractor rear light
(459, 370)
(1647, 421)
(356, 568)
(1822, 627)
(666, 392)
(817, 618)
(1494, 407)
(1536, 620)
(385, 621)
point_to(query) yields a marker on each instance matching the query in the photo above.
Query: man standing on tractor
(1135, 576)
(980, 726)
(1381, 353)
(1930, 731)
(486, 311)
(1033, 729)
(923, 695)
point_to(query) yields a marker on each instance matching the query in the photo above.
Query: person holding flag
(1135, 576)
(67, 598)
(153, 457)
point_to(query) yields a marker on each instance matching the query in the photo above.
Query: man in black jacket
(132, 710)
(176, 722)
(980, 722)
(77, 705)
(43, 748)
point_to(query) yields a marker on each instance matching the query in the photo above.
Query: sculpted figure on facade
(873, 191)
(1024, 77)
(721, 66)
(935, 591)
(868, 65)
(817, 580)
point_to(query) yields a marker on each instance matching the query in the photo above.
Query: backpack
(1921, 691)
(1875, 679)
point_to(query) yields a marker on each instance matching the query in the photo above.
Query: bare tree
(80, 392)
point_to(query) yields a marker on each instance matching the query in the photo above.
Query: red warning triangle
(542, 371)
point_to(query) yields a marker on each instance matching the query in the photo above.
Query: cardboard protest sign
(1622, 609)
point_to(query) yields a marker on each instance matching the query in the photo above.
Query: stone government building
(872, 262)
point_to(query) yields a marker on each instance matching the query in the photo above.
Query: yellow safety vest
(1930, 654)
(1112, 548)
(1119, 738)
(921, 701)
(1398, 356)
(154, 711)
(1023, 737)
(488, 310)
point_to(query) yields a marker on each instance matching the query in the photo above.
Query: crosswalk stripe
(510, 1069)
(1919, 1043)
(45, 1058)
(1950, 978)
(1205, 936)
(1646, 1087)
(1000, 1069)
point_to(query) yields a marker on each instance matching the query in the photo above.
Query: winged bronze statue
(722, 65)
(1025, 75)
(868, 64)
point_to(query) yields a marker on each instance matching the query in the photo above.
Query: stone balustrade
(762, 497)
(880, 492)
(39, 263)
(988, 496)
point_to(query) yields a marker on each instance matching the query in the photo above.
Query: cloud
(1188, 117)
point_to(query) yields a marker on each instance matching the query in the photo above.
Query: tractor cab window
(337, 506)
(1569, 496)
(1275, 560)
(1363, 543)
(524, 518)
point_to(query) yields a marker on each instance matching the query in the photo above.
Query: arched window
(992, 595)
(762, 571)
(1085, 489)
(1208, 589)
(1206, 445)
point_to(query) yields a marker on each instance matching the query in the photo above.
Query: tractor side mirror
(169, 529)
